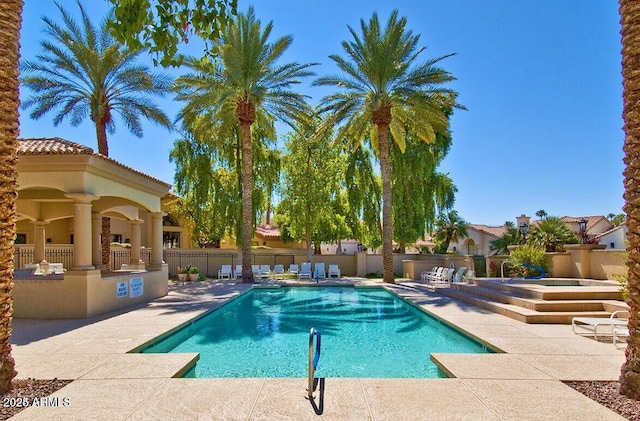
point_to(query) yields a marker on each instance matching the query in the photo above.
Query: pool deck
(110, 384)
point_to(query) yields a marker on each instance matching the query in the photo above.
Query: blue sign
(121, 289)
(136, 287)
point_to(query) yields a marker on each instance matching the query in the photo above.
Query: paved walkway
(111, 384)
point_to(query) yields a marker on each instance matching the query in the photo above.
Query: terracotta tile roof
(267, 231)
(51, 146)
(493, 231)
(591, 220)
(58, 146)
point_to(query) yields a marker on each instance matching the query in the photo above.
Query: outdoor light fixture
(524, 229)
(582, 223)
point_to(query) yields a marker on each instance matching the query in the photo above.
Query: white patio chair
(237, 274)
(264, 271)
(225, 272)
(305, 271)
(333, 270)
(444, 277)
(278, 270)
(435, 271)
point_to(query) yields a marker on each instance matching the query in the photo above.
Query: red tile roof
(267, 231)
(497, 232)
(58, 146)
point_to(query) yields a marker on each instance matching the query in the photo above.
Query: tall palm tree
(450, 227)
(10, 21)
(82, 71)
(630, 19)
(244, 84)
(382, 90)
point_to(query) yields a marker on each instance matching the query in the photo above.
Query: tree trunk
(106, 242)
(382, 118)
(103, 148)
(630, 19)
(10, 22)
(246, 115)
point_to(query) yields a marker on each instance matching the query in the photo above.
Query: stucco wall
(81, 294)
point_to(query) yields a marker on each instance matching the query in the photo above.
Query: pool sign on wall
(135, 287)
(121, 289)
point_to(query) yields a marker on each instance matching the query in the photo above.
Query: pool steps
(531, 303)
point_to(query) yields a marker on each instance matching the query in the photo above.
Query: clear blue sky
(541, 81)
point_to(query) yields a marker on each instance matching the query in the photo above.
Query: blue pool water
(365, 333)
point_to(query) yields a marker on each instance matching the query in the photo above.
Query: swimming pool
(366, 332)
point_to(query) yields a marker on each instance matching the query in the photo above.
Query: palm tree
(551, 233)
(10, 21)
(541, 214)
(244, 84)
(450, 227)
(383, 91)
(630, 19)
(82, 71)
(509, 238)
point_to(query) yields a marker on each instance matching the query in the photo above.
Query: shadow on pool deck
(522, 383)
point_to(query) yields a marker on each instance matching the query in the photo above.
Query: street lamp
(582, 223)
(524, 229)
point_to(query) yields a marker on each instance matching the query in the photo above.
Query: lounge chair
(293, 269)
(333, 270)
(589, 325)
(436, 271)
(618, 333)
(264, 271)
(305, 271)
(225, 272)
(319, 272)
(238, 272)
(255, 270)
(278, 270)
(444, 277)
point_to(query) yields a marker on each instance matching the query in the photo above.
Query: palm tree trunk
(10, 22)
(630, 19)
(246, 115)
(105, 242)
(387, 209)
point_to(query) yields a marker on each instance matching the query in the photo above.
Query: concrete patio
(523, 383)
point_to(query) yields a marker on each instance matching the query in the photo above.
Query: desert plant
(532, 255)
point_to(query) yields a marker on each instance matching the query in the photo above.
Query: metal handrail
(313, 360)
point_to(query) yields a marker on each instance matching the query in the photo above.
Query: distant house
(615, 238)
(597, 224)
(479, 239)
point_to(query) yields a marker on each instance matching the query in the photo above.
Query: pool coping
(96, 353)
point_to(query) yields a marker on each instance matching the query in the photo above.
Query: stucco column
(156, 238)
(39, 239)
(96, 247)
(135, 241)
(82, 223)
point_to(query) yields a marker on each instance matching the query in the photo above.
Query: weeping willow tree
(420, 192)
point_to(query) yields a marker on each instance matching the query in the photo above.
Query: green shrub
(529, 254)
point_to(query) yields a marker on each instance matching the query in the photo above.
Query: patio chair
(444, 277)
(305, 271)
(238, 272)
(457, 277)
(319, 272)
(264, 271)
(333, 270)
(435, 271)
(255, 270)
(225, 272)
(615, 324)
(278, 270)
(293, 269)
